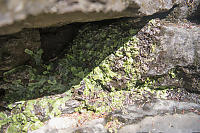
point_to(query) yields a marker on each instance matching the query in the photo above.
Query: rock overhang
(18, 14)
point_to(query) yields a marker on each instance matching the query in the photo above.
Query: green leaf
(132, 31)
(36, 125)
(73, 70)
(3, 122)
(13, 128)
(2, 115)
(28, 51)
(53, 82)
(80, 74)
(40, 52)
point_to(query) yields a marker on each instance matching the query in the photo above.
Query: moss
(99, 69)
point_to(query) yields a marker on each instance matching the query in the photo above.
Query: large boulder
(179, 45)
(18, 14)
(171, 49)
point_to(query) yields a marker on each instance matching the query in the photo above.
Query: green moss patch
(99, 70)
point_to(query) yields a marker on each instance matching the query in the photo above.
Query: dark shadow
(55, 39)
(82, 53)
(195, 17)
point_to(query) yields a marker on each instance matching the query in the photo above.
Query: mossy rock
(99, 69)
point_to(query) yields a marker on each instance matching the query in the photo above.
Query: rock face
(162, 115)
(179, 48)
(69, 125)
(179, 45)
(12, 48)
(168, 123)
(135, 113)
(106, 58)
(18, 14)
(166, 46)
(184, 10)
(56, 124)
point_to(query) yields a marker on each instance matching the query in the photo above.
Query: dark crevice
(63, 36)
(55, 39)
(162, 15)
(195, 17)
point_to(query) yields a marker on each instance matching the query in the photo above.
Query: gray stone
(69, 107)
(135, 113)
(57, 125)
(177, 123)
(94, 126)
(18, 14)
(179, 46)
(165, 46)
(165, 115)
(68, 125)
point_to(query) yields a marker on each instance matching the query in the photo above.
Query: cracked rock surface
(160, 116)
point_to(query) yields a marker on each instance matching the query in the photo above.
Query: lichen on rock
(103, 70)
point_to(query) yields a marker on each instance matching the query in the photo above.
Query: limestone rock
(56, 125)
(164, 114)
(165, 46)
(170, 123)
(18, 14)
(179, 45)
(93, 126)
(135, 113)
(68, 125)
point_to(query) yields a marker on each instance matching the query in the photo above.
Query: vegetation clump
(99, 70)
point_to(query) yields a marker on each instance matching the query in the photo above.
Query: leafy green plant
(36, 56)
(99, 68)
